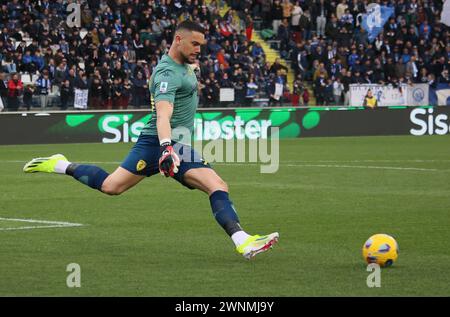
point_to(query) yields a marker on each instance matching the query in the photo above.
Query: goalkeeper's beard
(186, 58)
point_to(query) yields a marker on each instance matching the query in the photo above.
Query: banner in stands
(445, 14)
(412, 95)
(440, 95)
(212, 124)
(81, 98)
(226, 94)
(375, 19)
(418, 95)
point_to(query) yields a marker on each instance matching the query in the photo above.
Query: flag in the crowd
(445, 14)
(440, 95)
(375, 19)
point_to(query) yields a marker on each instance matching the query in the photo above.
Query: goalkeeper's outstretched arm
(164, 110)
(169, 160)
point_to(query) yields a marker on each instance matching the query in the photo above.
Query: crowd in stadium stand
(332, 49)
(120, 42)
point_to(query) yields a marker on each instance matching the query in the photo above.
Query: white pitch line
(80, 162)
(48, 224)
(370, 161)
(36, 227)
(296, 161)
(294, 164)
(366, 167)
(341, 166)
(300, 161)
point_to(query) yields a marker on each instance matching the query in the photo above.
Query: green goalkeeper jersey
(177, 84)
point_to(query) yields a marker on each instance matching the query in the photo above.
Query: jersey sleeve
(166, 83)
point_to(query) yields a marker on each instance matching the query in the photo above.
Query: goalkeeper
(173, 88)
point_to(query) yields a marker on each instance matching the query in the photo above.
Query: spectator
(423, 76)
(329, 97)
(297, 94)
(320, 13)
(357, 78)
(412, 69)
(400, 69)
(378, 73)
(107, 94)
(319, 88)
(288, 7)
(302, 64)
(320, 70)
(95, 94)
(15, 89)
(305, 24)
(252, 88)
(370, 101)
(361, 37)
(347, 19)
(139, 90)
(221, 57)
(334, 68)
(276, 66)
(66, 94)
(353, 57)
(28, 93)
(116, 95)
(277, 90)
(305, 97)
(332, 28)
(444, 78)
(297, 12)
(277, 15)
(27, 62)
(72, 77)
(346, 81)
(3, 92)
(60, 73)
(226, 82)
(239, 92)
(284, 36)
(38, 60)
(341, 9)
(8, 64)
(126, 93)
(44, 87)
(266, 12)
(432, 81)
(209, 93)
(258, 52)
(338, 88)
(81, 82)
(389, 69)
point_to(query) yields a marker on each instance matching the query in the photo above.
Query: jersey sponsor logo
(140, 165)
(163, 86)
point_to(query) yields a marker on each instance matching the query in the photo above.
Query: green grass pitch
(160, 239)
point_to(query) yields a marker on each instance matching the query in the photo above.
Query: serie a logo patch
(163, 87)
(140, 165)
